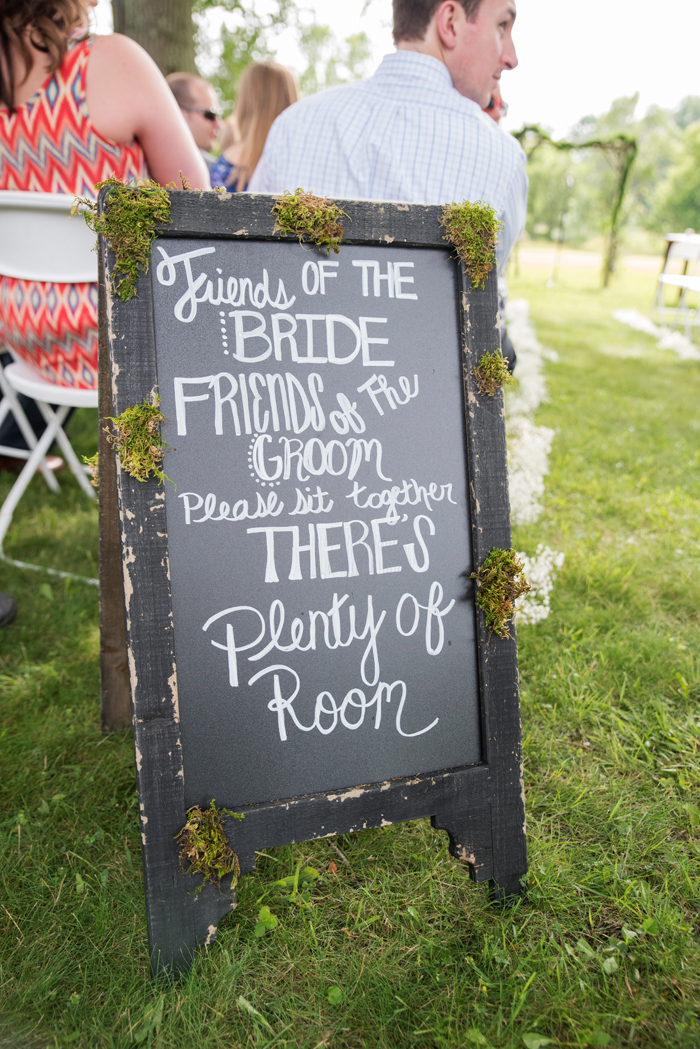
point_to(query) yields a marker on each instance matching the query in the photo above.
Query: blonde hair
(50, 24)
(266, 90)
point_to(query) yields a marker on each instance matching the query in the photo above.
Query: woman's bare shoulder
(118, 52)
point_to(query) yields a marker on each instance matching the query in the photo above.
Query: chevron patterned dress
(49, 145)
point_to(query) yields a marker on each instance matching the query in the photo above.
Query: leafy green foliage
(302, 214)
(204, 847)
(129, 224)
(247, 38)
(138, 440)
(266, 922)
(472, 229)
(580, 211)
(678, 199)
(328, 62)
(687, 111)
(611, 737)
(335, 995)
(491, 373)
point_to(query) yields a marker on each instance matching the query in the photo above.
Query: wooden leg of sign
(471, 839)
(508, 890)
(469, 834)
(115, 700)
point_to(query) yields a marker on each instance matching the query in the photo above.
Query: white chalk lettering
(409, 493)
(234, 295)
(304, 635)
(238, 511)
(279, 401)
(393, 277)
(368, 342)
(434, 616)
(355, 537)
(377, 386)
(314, 455)
(325, 706)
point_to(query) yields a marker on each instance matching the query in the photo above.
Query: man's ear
(448, 18)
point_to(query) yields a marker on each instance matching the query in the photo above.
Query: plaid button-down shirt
(405, 134)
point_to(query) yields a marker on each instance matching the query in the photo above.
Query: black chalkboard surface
(303, 640)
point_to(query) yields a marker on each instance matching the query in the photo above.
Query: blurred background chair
(39, 241)
(683, 248)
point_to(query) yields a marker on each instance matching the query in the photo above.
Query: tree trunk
(164, 28)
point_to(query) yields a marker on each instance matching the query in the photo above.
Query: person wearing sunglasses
(199, 106)
(497, 108)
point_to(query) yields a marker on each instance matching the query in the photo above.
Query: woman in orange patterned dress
(75, 109)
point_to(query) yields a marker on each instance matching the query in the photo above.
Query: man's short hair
(412, 17)
(181, 86)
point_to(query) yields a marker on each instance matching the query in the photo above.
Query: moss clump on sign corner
(499, 584)
(492, 373)
(301, 214)
(204, 847)
(138, 440)
(129, 224)
(473, 231)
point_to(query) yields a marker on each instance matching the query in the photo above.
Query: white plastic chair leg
(19, 487)
(11, 403)
(65, 446)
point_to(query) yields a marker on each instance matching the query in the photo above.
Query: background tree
(663, 191)
(164, 28)
(329, 62)
(246, 36)
(678, 200)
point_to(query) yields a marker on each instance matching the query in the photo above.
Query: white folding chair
(683, 248)
(38, 242)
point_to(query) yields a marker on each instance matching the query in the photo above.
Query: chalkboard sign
(303, 640)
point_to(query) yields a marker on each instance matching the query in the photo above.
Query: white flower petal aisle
(667, 339)
(529, 446)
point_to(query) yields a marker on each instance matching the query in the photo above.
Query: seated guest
(75, 109)
(414, 131)
(200, 108)
(265, 90)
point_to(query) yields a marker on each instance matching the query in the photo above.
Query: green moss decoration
(499, 584)
(473, 231)
(204, 847)
(302, 214)
(93, 462)
(138, 440)
(491, 373)
(132, 215)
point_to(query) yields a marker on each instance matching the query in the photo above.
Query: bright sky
(576, 56)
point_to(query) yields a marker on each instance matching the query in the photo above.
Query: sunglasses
(497, 103)
(208, 114)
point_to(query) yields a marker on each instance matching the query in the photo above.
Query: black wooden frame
(480, 806)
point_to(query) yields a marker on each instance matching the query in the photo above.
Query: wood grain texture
(177, 921)
(242, 216)
(115, 698)
(480, 807)
(498, 657)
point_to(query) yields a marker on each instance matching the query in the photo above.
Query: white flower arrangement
(539, 572)
(529, 447)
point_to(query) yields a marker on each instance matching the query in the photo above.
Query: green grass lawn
(398, 948)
